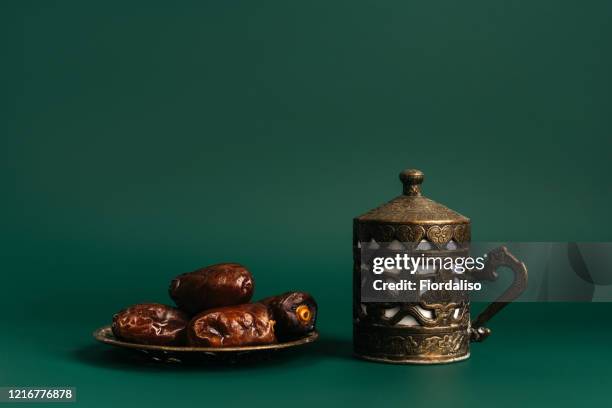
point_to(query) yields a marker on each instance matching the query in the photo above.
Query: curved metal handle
(496, 258)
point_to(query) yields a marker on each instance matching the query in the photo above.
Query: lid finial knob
(412, 179)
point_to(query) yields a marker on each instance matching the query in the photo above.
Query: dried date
(151, 323)
(213, 286)
(295, 314)
(240, 325)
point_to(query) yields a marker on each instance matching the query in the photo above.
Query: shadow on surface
(115, 358)
(332, 348)
(123, 359)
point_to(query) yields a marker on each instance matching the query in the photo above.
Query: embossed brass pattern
(437, 329)
(411, 346)
(438, 235)
(412, 207)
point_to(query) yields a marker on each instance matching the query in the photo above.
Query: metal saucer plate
(177, 354)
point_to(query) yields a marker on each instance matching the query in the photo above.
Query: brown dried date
(295, 313)
(213, 286)
(240, 325)
(151, 323)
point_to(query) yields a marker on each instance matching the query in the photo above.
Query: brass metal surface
(433, 330)
(413, 208)
(495, 259)
(187, 353)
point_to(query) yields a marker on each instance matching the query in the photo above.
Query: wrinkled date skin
(213, 286)
(240, 325)
(151, 323)
(295, 314)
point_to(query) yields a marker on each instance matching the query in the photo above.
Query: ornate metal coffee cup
(437, 327)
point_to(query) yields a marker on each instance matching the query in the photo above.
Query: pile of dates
(213, 310)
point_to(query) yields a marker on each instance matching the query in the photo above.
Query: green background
(139, 140)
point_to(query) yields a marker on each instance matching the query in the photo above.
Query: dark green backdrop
(144, 139)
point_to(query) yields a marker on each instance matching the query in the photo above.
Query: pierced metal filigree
(437, 328)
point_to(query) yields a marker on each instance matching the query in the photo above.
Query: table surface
(537, 355)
